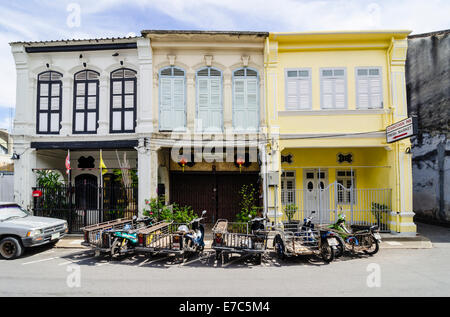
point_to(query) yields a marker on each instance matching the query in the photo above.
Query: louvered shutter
(304, 93)
(292, 94)
(239, 113)
(179, 115)
(252, 122)
(327, 92)
(363, 92)
(375, 92)
(215, 117)
(339, 88)
(165, 104)
(203, 103)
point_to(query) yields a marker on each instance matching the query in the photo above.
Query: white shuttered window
(368, 88)
(245, 103)
(333, 85)
(298, 89)
(209, 100)
(172, 100)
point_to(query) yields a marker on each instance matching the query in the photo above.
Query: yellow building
(330, 97)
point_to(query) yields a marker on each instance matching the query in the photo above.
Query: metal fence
(86, 204)
(361, 206)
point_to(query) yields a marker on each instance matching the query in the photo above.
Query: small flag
(68, 163)
(102, 164)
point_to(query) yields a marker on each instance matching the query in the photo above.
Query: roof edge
(429, 34)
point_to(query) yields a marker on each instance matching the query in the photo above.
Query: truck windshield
(12, 211)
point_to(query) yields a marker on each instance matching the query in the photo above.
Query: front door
(218, 194)
(316, 194)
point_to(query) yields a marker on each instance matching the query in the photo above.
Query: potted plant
(289, 211)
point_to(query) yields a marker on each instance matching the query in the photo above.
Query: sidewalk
(389, 241)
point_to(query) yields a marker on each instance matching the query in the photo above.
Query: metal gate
(217, 193)
(85, 203)
(361, 206)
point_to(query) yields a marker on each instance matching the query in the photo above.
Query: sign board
(37, 193)
(401, 130)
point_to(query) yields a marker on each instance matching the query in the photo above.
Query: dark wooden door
(218, 194)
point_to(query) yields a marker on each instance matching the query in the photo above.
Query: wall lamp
(15, 156)
(408, 150)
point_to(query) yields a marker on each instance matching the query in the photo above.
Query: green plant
(248, 203)
(290, 211)
(157, 208)
(378, 210)
(54, 193)
(133, 173)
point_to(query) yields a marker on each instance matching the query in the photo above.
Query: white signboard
(401, 130)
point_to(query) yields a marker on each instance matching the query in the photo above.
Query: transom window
(209, 100)
(346, 180)
(368, 88)
(123, 101)
(333, 88)
(298, 89)
(172, 99)
(49, 103)
(85, 110)
(245, 99)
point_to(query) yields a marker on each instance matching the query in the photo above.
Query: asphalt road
(391, 272)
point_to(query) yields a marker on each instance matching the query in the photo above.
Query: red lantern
(183, 162)
(240, 161)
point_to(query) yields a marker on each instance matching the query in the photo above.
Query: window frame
(258, 106)
(283, 183)
(197, 97)
(86, 98)
(286, 79)
(122, 110)
(334, 90)
(160, 95)
(352, 178)
(380, 76)
(49, 97)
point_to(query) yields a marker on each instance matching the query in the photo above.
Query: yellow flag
(102, 165)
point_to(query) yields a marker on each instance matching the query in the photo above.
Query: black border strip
(82, 47)
(79, 145)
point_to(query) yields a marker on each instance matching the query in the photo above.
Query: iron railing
(361, 206)
(86, 204)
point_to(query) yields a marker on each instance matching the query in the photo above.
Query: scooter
(124, 240)
(328, 242)
(194, 238)
(365, 238)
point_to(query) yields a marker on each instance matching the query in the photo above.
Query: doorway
(316, 194)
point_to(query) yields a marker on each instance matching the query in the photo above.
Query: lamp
(15, 156)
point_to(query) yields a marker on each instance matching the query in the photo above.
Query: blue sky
(32, 20)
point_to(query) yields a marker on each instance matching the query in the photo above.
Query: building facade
(195, 115)
(330, 97)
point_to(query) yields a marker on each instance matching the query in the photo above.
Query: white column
(103, 113)
(24, 178)
(227, 101)
(67, 106)
(144, 175)
(190, 101)
(145, 87)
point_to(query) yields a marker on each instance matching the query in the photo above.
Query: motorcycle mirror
(203, 212)
(313, 212)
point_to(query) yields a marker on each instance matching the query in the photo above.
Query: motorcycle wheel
(340, 248)
(225, 257)
(258, 259)
(279, 248)
(115, 247)
(327, 252)
(218, 256)
(374, 246)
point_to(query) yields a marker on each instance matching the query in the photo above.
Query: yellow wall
(289, 130)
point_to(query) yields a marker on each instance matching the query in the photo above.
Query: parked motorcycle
(194, 238)
(124, 240)
(357, 238)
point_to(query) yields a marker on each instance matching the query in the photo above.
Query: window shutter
(327, 93)
(239, 113)
(165, 104)
(215, 122)
(203, 102)
(178, 104)
(363, 92)
(252, 104)
(339, 93)
(304, 93)
(375, 92)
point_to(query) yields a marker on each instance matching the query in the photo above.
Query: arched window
(245, 99)
(85, 109)
(209, 100)
(123, 101)
(49, 91)
(172, 99)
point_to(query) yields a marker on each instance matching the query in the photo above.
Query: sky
(36, 20)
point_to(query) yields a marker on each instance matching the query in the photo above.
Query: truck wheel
(10, 248)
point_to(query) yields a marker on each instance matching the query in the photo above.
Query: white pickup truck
(19, 230)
